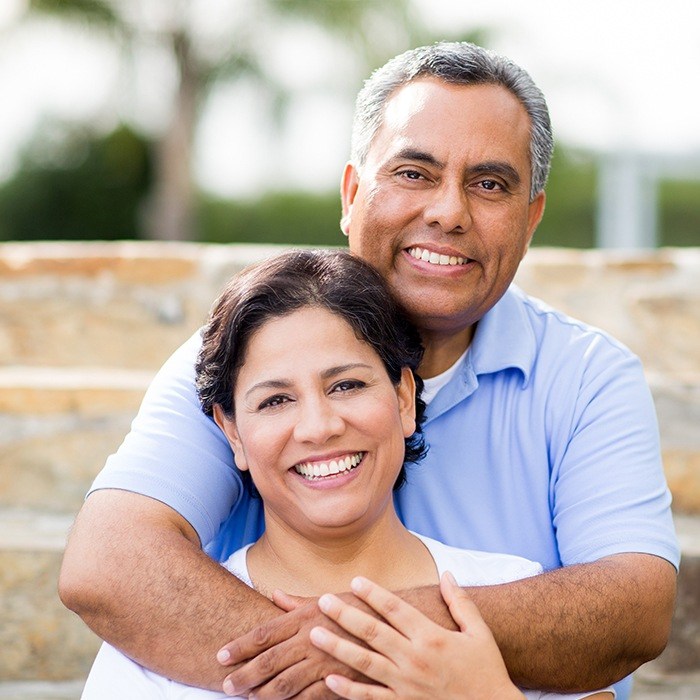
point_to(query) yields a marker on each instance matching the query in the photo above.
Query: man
(542, 434)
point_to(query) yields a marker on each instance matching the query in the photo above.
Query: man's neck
(442, 350)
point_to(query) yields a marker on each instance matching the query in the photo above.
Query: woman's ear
(406, 392)
(228, 427)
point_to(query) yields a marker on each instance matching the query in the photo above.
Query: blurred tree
(204, 55)
(75, 185)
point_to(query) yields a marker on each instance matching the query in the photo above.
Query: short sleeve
(176, 454)
(609, 493)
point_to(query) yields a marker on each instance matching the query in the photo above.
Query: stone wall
(84, 327)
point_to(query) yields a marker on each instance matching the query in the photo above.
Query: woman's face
(318, 423)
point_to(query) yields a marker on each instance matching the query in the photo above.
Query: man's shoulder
(550, 325)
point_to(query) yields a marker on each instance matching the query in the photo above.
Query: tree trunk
(170, 214)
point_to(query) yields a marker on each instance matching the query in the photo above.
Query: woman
(307, 365)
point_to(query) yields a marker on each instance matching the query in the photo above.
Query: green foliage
(679, 213)
(283, 217)
(97, 12)
(93, 188)
(569, 218)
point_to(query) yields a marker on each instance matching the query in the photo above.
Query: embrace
(541, 434)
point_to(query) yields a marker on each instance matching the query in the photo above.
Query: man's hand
(277, 660)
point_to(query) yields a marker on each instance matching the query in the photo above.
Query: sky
(618, 75)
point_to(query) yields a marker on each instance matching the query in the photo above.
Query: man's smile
(435, 258)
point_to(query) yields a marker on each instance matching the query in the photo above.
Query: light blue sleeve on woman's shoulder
(176, 454)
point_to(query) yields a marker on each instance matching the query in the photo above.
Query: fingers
(353, 690)
(269, 664)
(463, 610)
(400, 615)
(256, 641)
(286, 601)
(299, 681)
(367, 662)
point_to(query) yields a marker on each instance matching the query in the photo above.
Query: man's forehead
(433, 110)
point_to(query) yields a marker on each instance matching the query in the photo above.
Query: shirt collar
(504, 337)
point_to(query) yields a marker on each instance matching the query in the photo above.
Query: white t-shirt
(115, 677)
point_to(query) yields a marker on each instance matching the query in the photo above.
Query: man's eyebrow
(420, 156)
(497, 167)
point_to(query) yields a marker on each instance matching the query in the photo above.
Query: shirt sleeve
(176, 454)
(608, 490)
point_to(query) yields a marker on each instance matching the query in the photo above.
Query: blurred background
(229, 120)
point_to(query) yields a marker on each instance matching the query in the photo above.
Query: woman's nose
(318, 421)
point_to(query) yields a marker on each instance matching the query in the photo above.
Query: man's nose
(318, 421)
(449, 208)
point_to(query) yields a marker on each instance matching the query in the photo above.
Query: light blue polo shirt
(544, 444)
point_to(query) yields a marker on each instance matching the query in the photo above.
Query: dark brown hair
(337, 281)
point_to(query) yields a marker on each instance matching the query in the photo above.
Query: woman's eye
(347, 385)
(273, 401)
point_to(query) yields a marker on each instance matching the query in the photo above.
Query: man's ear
(228, 427)
(406, 392)
(348, 190)
(535, 213)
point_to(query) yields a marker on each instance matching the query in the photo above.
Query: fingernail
(229, 688)
(222, 656)
(359, 584)
(318, 634)
(325, 602)
(448, 575)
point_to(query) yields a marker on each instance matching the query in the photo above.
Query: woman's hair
(334, 280)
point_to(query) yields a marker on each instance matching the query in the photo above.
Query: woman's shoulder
(475, 568)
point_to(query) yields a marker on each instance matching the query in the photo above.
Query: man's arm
(580, 627)
(134, 571)
(574, 629)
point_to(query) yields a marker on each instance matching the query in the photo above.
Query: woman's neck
(308, 565)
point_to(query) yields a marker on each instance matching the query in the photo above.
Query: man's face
(441, 207)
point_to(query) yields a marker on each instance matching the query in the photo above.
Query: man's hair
(460, 63)
(336, 281)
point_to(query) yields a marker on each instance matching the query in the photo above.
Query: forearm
(577, 628)
(136, 575)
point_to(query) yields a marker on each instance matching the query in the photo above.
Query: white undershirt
(434, 384)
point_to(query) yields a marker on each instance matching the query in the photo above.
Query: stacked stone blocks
(85, 326)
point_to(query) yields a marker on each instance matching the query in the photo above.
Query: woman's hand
(411, 656)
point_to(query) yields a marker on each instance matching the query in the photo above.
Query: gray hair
(464, 64)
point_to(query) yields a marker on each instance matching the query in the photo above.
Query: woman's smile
(315, 470)
(319, 424)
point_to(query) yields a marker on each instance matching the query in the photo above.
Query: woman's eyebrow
(268, 384)
(286, 383)
(340, 369)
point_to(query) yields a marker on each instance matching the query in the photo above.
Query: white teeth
(322, 469)
(435, 258)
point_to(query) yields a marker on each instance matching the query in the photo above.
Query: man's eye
(491, 185)
(411, 174)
